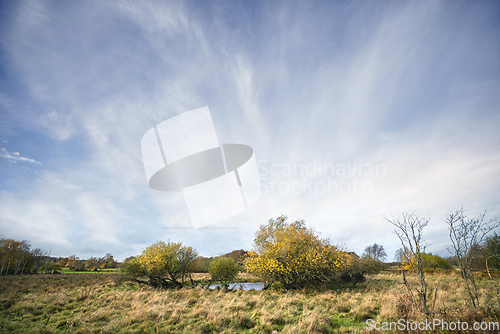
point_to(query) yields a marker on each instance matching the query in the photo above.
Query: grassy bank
(95, 304)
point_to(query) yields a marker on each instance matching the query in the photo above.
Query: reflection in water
(244, 286)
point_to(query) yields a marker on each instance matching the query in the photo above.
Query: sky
(354, 110)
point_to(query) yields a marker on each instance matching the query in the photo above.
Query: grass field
(97, 304)
(101, 271)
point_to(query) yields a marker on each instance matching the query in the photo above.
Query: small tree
(466, 234)
(409, 229)
(186, 257)
(162, 262)
(375, 252)
(294, 255)
(109, 261)
(92, 264)
(74, 263)
(372, 259)
(62, 262)
(223, 269)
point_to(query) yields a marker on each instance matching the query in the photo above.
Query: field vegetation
(100, 304)
(312, 285)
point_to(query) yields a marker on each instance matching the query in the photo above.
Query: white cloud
(15, 157)
(403, 85)
(60, 126)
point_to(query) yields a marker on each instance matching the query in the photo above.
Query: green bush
(223, 269)
(436, 262)
(371, 266)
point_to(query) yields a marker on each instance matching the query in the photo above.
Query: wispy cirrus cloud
(15, 157)
(411, 86)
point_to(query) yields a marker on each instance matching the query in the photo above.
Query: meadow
(101, 304)
(100, 271)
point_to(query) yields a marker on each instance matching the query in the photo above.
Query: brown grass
(96, 304)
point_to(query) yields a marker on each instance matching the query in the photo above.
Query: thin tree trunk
(22, 271)
(405, 282)
(476, 294)
(435, 297)
(423, 290)
(18, 262)
(8, 265)
(466, 279)
(3, 262)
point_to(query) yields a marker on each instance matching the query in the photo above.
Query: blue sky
(410, 87)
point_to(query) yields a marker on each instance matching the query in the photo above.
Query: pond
(244, 286)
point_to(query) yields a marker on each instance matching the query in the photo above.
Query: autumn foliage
(293, 255)
(163, 263)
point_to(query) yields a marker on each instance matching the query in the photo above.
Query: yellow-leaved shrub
(294, 255)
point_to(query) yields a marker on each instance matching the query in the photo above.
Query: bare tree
(375, 252)
(409, 229)
(465, 235)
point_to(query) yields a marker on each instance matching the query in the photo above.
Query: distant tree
(74, 263)
(17, 257)
(93, 263)
(53, 268)
(223, 269)
(62, 262)
(375, 252)
(372, 259)
(14, 256)
(409, 229)
(399, 255)
(238, 256)
(492, 259)
(108, 261)
(37, 260)
(465, 235)
(492, 251)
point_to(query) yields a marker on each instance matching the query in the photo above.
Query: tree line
(18, 258)
(290, 255)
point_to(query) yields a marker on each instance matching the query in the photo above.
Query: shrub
(371, 266)
(162, 262)
(223, 269)
(294, 255)
(436, 262)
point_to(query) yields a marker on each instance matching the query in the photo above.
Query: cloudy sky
(354, 110)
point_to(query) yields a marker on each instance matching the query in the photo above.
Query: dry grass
(95, 304)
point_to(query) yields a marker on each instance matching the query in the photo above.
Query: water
(244, 286)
